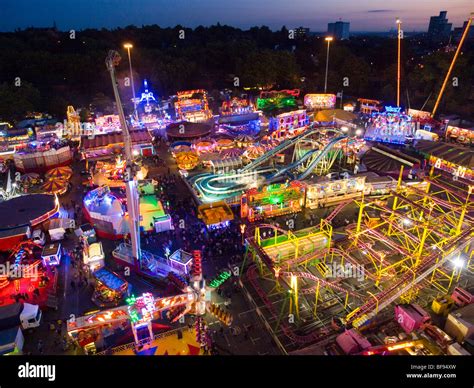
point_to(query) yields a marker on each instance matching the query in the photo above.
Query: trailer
(25, 315)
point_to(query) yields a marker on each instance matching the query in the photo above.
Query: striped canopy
(59, 172)
(56, 186)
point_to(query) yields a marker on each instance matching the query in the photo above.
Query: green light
(221, 278)
(131, 300)
(275, 199)
(273, 103)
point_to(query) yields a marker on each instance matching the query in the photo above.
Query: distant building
(301, 32)
(439, 27)
(457, 33)
(339, 30)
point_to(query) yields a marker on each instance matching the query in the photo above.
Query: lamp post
(128, 47)
(329, 40)
(399, 38)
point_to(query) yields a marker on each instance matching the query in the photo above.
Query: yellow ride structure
(413, 244)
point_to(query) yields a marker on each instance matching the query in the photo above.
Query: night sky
(364, 15)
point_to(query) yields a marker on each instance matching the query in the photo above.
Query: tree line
(46, 69)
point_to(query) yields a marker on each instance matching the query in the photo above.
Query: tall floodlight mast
(399, 51)
(451, 66)
(133, 201)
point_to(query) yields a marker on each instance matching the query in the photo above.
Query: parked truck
(26, 315)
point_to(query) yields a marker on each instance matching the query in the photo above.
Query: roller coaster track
(408, 280)
(338, 208)
(379, 236)
(283, 146)
(225, 186)
(309, 256)
(443, 203)
(314, 337)
(321, 154)
(310, 276)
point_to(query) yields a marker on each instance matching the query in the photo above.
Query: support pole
(451, 66)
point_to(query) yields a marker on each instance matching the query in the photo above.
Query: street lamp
(329, 40)
(399, 32)
(128, 47)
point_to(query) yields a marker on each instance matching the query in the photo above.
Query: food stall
(93, 256)
(51, 254)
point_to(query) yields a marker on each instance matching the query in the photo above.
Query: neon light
(141, 309)
(221, 278)
(393, 109)
(320, 101)
(146, 96)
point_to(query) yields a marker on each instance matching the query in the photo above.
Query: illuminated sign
(461, 135)
(393, 109)
(455, 169)
(419, 114)
(141, 309)
(147, 96)
(274, 93)
(320, 101)
(221, 278)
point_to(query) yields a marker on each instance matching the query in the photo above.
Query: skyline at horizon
(110, 14)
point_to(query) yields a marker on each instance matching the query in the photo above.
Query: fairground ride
(411, 245)
(318, 160)
(194, 298)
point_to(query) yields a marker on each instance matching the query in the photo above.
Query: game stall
(215, 215)
(110, 289)
(272, 200)
(288, 124)
(192, 106)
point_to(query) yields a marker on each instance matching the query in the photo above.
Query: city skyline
(371, 16)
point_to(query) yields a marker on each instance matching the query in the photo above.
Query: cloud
(380, 10)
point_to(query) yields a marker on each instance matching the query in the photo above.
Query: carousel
(55, 186)
(187, 160)
(223, 144)
(204, 146)
(254, 152)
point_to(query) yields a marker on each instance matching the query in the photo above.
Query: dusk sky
(364, 15)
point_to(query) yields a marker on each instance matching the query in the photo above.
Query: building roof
(329, 114)
(11, 310)
(22, 230)
(465, 314)
(141, 136)
(8, 336)
(451, 152)
(387, 160)
(51, 249)
(187, 130)
(181, 256)
(21, 211)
